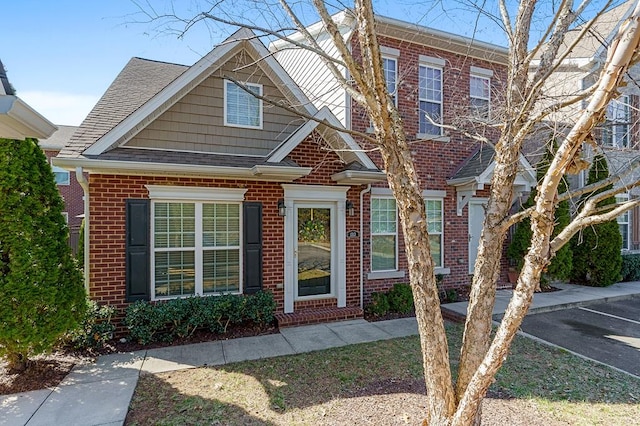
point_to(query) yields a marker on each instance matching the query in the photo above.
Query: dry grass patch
(374, 383)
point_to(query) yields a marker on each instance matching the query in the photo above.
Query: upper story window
(390, 68)
(480, 96)
(241, 108)
(615, 130)
(430, 96)
(61, 175)
(480, 92)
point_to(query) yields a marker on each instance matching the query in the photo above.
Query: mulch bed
(47, 371)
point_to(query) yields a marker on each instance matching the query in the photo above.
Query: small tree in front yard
(597, 249)
(42, 291)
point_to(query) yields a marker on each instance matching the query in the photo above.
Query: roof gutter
(19, 121)
(259, 172)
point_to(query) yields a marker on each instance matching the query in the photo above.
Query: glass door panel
(314, 250)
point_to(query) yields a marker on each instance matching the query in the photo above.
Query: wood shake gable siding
(196, 122)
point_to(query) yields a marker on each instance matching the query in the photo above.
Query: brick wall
(436, 161)
(107, 234)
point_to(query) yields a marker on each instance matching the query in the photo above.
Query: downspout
(84, 183)
(364, 191)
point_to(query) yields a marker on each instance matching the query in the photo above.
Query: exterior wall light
(282, 209)
(351, 211)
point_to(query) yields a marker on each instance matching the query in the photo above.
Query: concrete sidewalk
(100, 393)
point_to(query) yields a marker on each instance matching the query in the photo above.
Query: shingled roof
(476, 164)
(139, 81)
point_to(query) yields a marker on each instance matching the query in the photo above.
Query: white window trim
(198, 196)
(621, 100)
(430, 62)
(441, 200)
(488, 98)
(395, 64)
(260, 106)
(623, 198)
(56, 169)
(383, 271)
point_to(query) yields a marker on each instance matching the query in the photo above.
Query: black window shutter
(137, 249)
(252, 230)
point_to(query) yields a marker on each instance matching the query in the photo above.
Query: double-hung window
(480, 96)
(430, 99)
(623, 222)
(390, 68)
(384, 235)
(196, 244)
(615, 131)
(435, 228)
(241, 108)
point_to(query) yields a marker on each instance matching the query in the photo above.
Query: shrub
(401, 298)
(180, 318)
(561, 264)
(95, 329)
(379, 305)
(630, 267)
(597, 258)
(43, 295)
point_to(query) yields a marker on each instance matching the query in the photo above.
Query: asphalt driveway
(607, 332)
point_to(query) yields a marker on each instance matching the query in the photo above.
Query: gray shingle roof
(138, 82)
(476, 164)
(188, 158)
(58, 139)
(4, 81)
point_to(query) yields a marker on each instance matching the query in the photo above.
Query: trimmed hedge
(180, 318)
(398, 299)
(630, 267)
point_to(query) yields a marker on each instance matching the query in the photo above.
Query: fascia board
(20, 121)
(266, 173)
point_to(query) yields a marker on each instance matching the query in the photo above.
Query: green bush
(95, 329)
(379, 305)
(561, 264)
(630, 267)
(597, 258)
(401, 298)
(180, 318)
(43, 296)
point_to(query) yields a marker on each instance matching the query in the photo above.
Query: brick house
(197, 187)
(438, 81)
(68, 186)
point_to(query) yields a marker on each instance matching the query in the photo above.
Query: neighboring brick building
(454, 80)
(68, 185)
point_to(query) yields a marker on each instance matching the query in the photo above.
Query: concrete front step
(318, 315)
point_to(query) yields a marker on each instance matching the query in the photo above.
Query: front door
(314, 249)
(476, 218)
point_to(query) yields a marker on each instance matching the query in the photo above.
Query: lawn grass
(379, 383)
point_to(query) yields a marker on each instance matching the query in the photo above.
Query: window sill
(385, 275)
(443, 271)
(436, 138)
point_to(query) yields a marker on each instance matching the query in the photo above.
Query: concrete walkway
(99, 394)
